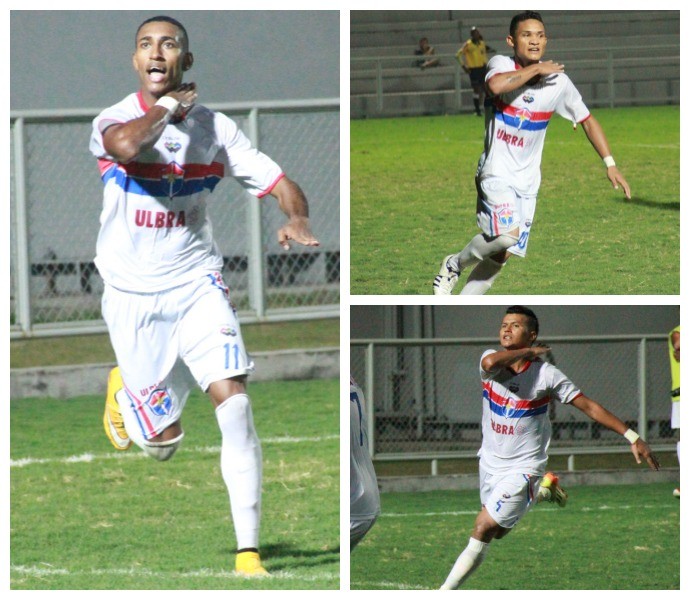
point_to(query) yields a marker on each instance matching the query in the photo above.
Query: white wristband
(631, 436)
(169, 103)
(609, 162)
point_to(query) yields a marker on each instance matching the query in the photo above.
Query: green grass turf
(72, 350)
(412, 202)
(607, 538)
(123, 521)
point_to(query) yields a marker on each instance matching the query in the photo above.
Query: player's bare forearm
(293, 203)
(598, 413)
(595, 134)
(125, 141)
(504, 358)
(512, 80)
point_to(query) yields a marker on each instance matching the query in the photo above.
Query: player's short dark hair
(524, 16)
(165, 19)
(532, 321)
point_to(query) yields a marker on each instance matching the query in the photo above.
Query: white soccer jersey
(364, 492)
(516, 126)
(155, 233)
(516, 429)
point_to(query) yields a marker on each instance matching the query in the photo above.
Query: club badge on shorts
(160, 402)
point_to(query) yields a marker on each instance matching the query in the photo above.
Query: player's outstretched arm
(598, 413)
(595, 134)
(125, 141)
(293, 203)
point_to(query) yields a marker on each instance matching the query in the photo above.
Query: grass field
(412, 202)
(607, 538)
(86, 517)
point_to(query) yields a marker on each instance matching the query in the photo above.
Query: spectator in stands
(425, 49)
(473, 59)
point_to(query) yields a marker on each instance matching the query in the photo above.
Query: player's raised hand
(549, 67)
(297, 230)
(186, 95)
(641, 450)
(617, 180)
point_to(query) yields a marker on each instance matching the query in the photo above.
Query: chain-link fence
(425, 396)
(56, 197)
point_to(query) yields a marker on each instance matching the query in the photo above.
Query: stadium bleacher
(615, 58)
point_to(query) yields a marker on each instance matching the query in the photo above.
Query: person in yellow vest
(473, 59)
(674, 356)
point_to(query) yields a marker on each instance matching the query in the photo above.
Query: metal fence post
(642, 387)
(23, 291)
(257, 295)
(369, 382)
(612, 87)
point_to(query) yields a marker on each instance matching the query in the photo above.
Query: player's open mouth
(156, 74)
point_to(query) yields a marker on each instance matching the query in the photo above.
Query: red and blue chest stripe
(511, 408)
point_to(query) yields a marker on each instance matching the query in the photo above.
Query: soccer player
(674, 356)
(169, 314)
(525, 92)
(517, 389)
(472, 56)
(365, 503)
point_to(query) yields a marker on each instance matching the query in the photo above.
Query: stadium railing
(387, 85)
(424, 397)
(56, 198)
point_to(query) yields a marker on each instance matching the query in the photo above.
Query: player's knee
(162, 451)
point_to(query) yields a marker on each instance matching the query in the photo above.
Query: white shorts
(165, 341)
(507, 498)
(501, 209)
(675, 415)
(358, 529)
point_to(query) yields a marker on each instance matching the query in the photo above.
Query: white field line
(46, 570)
(88, 457)
(460, 513)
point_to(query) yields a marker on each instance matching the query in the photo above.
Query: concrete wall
(81, 380)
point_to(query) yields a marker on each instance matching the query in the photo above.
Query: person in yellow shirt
(473, 59)
(674, 357)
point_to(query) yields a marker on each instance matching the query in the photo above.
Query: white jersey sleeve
(252, 169)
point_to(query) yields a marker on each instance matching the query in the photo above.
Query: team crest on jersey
(160, 402)
(174, 174)
(514, 387)
(528, 98)
(523, 115)
(510, 408)
(173, 146)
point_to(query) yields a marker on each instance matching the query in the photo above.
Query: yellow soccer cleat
(550, 491)
(249, 564)
(113, 423)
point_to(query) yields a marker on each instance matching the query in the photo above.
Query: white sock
(471, 557)
(240, 464)
(480, 248)
(482, 278)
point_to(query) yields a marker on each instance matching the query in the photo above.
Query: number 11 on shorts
(233, 349)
